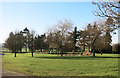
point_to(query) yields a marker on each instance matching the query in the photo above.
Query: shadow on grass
(74, 57)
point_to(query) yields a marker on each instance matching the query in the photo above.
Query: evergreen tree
(75, 35)
(107, 42)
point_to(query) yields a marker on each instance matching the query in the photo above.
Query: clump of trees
(15, 42)
(40, 42)
(65, 38)
(25, 39)
(116, 48)
(93, 36)
(96, 37)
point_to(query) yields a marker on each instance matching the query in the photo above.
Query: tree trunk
(101, 53)
(94, 40)
(58, 51)
(61, 53)
(93, 50)
(15, 54)
(32, 54)
(94, 54)
(32, 51)
(26, 48)
(20, 50)
(74, 47)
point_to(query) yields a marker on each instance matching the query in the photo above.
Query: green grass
(5, 50)
(54, 65)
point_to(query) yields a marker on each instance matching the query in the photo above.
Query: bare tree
(108, 8)
(59, 33)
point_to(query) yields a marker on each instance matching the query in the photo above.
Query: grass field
(54, 65)
(7, 50)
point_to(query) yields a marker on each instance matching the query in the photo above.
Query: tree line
(65, 37)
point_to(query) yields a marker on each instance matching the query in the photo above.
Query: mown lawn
(54, 65)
